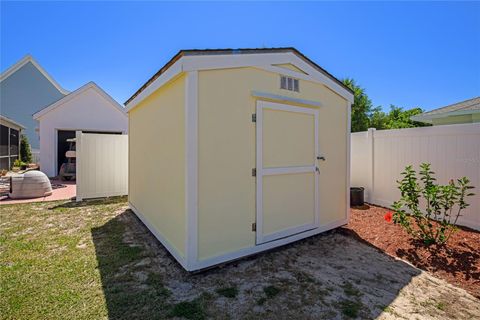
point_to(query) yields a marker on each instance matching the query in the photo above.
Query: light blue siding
(24, 93)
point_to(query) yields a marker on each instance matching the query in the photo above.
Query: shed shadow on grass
(328, 276)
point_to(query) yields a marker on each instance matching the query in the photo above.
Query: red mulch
(457, 263)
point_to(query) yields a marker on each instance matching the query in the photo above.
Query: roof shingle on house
(470, 104)
(198, 52)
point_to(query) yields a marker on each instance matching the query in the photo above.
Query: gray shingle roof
(470, 104)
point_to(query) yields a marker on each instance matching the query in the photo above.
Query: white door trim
(260, 238)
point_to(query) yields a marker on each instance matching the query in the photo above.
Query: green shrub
(442, 203)
(25, 152)
(18, 163)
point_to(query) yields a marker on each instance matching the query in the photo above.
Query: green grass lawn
(49, 268)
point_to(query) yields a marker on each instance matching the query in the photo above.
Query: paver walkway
(62, 190)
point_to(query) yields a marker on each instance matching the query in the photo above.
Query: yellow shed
(233, 152)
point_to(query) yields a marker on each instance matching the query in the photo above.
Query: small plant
(18, 163)
(350, 308)
(443, 203)
(271, 291)
(229, 292)
(25, 152)
(188, 309)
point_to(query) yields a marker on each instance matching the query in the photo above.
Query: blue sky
(409, 54)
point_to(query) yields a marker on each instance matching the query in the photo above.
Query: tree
(396, 118)
(361, 107)
(25, 152)
(378, 119)
(364, 115)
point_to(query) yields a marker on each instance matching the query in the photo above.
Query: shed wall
(226, 155)
(157, 162)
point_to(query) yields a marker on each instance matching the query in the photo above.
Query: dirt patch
(457, 263)
(329, 276)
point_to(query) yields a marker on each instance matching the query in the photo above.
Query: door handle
(321, 158)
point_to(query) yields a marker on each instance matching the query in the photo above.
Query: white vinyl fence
(35, 156)
(378, 158)
(102, 165)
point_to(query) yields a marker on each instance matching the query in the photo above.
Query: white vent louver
(290, 84)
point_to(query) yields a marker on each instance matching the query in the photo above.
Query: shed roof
(204, 52)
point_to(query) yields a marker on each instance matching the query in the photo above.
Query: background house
(26, 88)
(88, 109)
(467, 111)
(50, 115)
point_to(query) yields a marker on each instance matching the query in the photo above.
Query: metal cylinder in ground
(357, 196)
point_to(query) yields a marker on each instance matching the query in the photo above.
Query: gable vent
(290, 84)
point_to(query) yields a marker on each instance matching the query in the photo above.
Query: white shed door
(287, 175)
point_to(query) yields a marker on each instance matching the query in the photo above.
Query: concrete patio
(62, 190)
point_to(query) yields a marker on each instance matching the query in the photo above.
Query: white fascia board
(167, 76)
(314, 73)
(28, 58)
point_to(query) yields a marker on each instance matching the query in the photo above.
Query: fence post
(370, 169)
(78, 147)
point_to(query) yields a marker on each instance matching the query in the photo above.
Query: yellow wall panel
(157, 161)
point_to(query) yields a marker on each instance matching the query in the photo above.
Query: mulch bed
(457, 263)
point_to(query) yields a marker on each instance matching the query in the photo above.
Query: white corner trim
(173, 251)
(78, 160)
(277, 97)
(73, 94)
(28, 58)
(349, 138)
(168, 75)
(191, 167)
